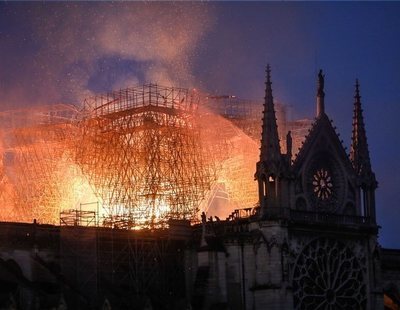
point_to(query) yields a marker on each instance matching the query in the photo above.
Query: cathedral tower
(312, 243)
(273, 165)
(359, 155)
(317, 229)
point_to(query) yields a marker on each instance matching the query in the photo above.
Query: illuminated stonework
(327, 275)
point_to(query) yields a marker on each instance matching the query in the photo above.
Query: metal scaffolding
(133, 158)
(246, 115)
(141, 149)
(32, 154)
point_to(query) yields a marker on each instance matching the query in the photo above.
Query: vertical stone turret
(269, 166)
(270, 149)
(359, 155)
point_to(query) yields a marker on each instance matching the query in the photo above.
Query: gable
(322, 136)
(325, 178)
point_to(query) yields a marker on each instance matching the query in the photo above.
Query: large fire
(130, 159)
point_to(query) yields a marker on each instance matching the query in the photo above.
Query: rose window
(322, 183)
(328, 276)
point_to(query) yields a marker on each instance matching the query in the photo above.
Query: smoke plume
(71, 51)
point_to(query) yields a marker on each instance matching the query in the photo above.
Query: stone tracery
(327, 275)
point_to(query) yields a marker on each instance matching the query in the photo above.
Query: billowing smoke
(82, 48)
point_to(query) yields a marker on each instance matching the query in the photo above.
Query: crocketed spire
(270, 149)
(359, 153)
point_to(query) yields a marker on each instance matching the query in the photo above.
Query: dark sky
(62, 52)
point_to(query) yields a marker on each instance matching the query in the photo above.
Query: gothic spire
(270, 149)
(359, 153)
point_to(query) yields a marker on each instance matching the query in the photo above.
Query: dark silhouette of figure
(203, 218)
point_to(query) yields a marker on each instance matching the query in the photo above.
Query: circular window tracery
(324, 183)
(328, 276)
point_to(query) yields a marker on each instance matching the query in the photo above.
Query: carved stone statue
(289, 143)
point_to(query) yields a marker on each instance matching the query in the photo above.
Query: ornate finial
(320, 94)
(268, 71)
(357, 93)
(321, 83)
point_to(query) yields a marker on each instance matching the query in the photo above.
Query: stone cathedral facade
(312, 242)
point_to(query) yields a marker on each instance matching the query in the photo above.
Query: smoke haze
(70, 51)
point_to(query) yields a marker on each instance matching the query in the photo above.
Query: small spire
(270, 149)
(270, 166)
(359, 153)
(268, 71)
(357, 96)
(320, 94)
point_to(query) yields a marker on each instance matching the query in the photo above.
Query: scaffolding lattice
(135, 157)
(33, 149)
(141, 150)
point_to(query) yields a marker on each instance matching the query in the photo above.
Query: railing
(75, 217)
(140, 96)
(305, 217)
(316, 217)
